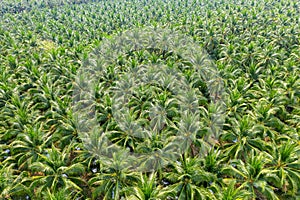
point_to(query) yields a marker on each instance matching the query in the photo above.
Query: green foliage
(255, 46)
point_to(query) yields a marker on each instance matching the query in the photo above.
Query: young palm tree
(188, 181)
(242, 138)
(56, 170)
(28, 146)
(114, 178)
(7, 180)
(253, 176)
(62, 194)
(146, 189)
(284, 160)
(230, 191)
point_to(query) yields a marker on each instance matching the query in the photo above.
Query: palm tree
(115, 177)
(16, 115)
(253, 176)
(146, 189)
(7, 180)
(239, 93)
(242, 137)
(230, 191)
(56, 170)
(188, 181)
(284, 160)
(62, 194)
(28, 146)
(213, 162)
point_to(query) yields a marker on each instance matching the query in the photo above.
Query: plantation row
(17, 6)
(255, 48)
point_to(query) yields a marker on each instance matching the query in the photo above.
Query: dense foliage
(255, 46)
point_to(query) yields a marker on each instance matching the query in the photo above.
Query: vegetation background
(254, 44)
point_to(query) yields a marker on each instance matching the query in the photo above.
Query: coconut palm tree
(55, 170)
(114, 178)
(242, 138)
(188, 181)
(253, 175)
(230, 191)
(7, 180)
(147, 188)
(28, 146)
(284, 161)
